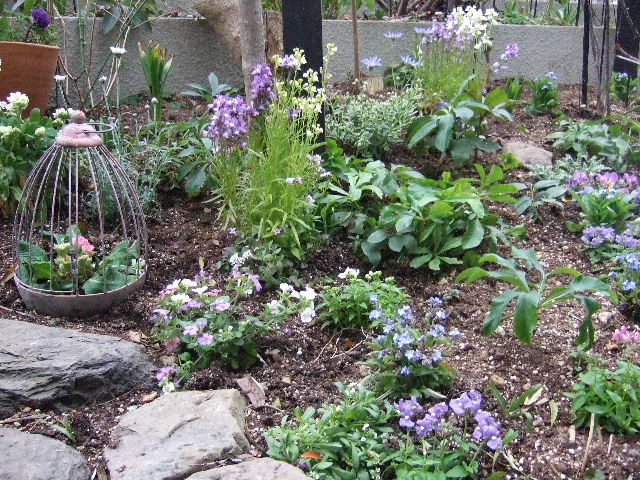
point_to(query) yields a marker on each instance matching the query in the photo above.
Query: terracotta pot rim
(40, 45)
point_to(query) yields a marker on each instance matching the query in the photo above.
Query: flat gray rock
(259, 469)
(28, 456)
(44, 366)
(176, 435)
(528, 155)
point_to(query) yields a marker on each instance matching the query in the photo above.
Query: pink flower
(171, 345)
(83, 243)
(256, 281)
(205, 339)
(221, 305)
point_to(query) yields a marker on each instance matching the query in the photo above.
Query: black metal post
(627, 36)
(302, 28)
(585, 51)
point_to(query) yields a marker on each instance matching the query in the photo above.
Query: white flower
(275, 307)
(308, 294)
(5, 131)
(285, 287)
(17, 102)
(60, 78)
(349, 272)
(169, 387)
(200, 290)
(185, 282)
(118, 51)
(181, 298)
(40, 131)
(307, 315)
(62, 113)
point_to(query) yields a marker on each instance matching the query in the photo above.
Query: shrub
(369, 126)
(544, 94)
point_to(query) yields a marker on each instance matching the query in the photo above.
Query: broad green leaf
(377, 236)
(420, 128)
(403, 223)
(398, 242)
(473, 236)
(195, 181)
(498, 306)
(586, 332)
(372, 252)
(525, 316)
(417, 262)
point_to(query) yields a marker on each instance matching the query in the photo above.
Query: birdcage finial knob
(78, 133)
(78, 116)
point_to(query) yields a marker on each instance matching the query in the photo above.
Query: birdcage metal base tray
(72, 305)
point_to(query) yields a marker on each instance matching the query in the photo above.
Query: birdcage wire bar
(78, 200)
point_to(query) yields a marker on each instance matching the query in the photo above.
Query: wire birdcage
(79, 234)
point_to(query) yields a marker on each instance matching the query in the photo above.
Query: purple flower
(191, 304)
(456, 406)
(436, 330)
(403, 340)
(422, 30)
(552, 76)
(293, 112)
(289, 62)
(205, 339)
(435, 301)
(262, 92)
(413, 355)
(409, 60)
(578, 178)
(161, 314)
(454, 333)
(404, 371)
(229, 122)
(441, 315)
(628, 285)
(191, 330)
(165, 372)
(221, 305)
(439, 409)
(630, 180)
(40, 17)
(405, 314)
(511, 51)
(172, 344)
(408, 408)
(372, 62)
(255, 278)
(437, 356)
(429, 423)
(608, 179)
(471, 401)
(627, 241)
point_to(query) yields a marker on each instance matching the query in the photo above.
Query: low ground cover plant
(607, 395)
(365, 437)
(544, 95)
(200, 321)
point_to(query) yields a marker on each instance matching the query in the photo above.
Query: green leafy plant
(344, 441)
(369, 126)
(118, 12)
(434, 222)
(544, 95)
(531, 297)
(45, 270)
(407, 360)
(201, 322)
(348, 305)
(156, 67)
(623, 87)
(567, 165)
(207, 92)
(514, 87)
(603, 208)
(592, 139)
(540, 193)
(611, 395)
(516, 14)
(22, 142)
(561, 12)
(457, 129)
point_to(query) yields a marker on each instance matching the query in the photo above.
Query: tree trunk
(252, 40)
(356, 41)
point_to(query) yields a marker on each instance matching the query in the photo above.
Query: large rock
(528, 155)
(260, 469)
(42, 366)
(27, 456)
(177, 435)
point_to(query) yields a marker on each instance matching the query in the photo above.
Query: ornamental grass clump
(451, 51)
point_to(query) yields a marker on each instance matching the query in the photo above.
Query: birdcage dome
(79, 235)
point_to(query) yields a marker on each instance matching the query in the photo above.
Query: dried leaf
(253, 390)
(201, 263)
(135, 337)
(534, 397)
(286, 379)
(553, 406)
(9, 276)
(150, 397)
(311, 454)
(276, 403)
